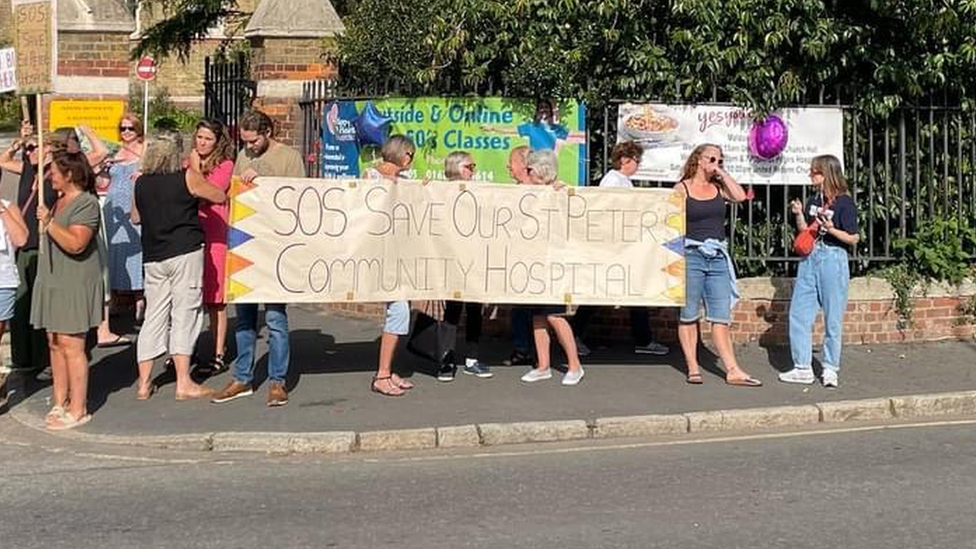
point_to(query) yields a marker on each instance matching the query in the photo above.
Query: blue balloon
(372, 128)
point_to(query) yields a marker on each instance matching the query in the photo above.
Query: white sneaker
(573, 378)
(830, 378)
(798, 375)
(537, 375)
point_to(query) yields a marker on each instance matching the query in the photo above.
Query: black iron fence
(228, 91)
(914, 165)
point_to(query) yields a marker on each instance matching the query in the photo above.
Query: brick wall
(6, 22)
(93, 54)
(763, 316)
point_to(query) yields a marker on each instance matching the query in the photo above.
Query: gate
(228, 91)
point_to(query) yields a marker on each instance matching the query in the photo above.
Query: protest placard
(36, 45)
(307, 240)
(669, 133)
(8, 70)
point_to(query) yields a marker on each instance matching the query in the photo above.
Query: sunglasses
(30, 148)
(127, 128)
(714, 159)
(469, 166)
(815, 172)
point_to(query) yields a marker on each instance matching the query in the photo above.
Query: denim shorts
(707, 279)
(397, 318)
(8, 297)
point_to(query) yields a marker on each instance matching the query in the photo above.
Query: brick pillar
(280, 66)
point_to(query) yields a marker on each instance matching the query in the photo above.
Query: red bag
(806, 239)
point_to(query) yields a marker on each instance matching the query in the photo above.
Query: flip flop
(744, 382)
(119, 341)
(695, 379)
(56, 413)
(66, 422)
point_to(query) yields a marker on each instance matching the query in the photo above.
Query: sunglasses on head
(714, 159)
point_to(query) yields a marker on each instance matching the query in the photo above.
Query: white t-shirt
(8, 263)
(613, 178)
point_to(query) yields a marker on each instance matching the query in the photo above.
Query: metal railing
(918, 163)
(228, 91)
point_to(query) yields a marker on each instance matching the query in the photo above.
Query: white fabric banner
(668, 134)
(317, 240)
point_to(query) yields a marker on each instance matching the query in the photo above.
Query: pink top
(213, 217)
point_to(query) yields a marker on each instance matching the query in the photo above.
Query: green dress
(68, 292)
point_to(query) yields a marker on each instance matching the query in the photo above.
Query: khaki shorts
(174, 306)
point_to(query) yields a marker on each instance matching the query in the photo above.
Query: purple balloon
(372, 128)
(768, 138)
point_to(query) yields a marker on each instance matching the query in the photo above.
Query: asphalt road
(911, 486)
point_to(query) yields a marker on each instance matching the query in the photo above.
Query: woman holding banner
(822, 280)
(459, 166)
(68, 292)
(710, 274)
(397, 153)
(542, 167)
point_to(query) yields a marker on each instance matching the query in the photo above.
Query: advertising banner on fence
(317, 241)
(8, 70)
(487, 128)
(774, 151)
(35, 22)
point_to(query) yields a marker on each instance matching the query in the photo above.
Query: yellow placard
(36, 45)
(101, 115)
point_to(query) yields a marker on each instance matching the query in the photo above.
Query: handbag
(431, 337)
(805, 240)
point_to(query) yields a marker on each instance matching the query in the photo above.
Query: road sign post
(145, 71)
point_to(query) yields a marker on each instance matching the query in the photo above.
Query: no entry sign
(146, 69)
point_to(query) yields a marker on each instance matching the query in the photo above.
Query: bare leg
(384, 371)
(540, 333)
(723, 344)
(185, 386)
(76, 366)
(145, 378)
(688, 336)
(105, 333)
(564, 334)
(218, 325)
(59, 370)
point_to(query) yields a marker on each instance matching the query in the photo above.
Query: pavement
(623, 395)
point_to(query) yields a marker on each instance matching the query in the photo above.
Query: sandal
(56, 413)
(695, 379)
(67, 421)
(393, 391)
(401, 383)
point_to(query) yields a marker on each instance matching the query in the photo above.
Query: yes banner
(487, 128)
(774, 151)
(315, 241)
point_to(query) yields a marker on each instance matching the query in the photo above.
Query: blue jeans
(821, 283)
(707, 279)
(522, 329)
(246, 332)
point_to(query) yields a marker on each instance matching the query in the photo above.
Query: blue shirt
(845, 216)
(542, 136)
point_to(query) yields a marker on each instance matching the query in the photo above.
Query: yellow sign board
(101, 115)
(36, 44)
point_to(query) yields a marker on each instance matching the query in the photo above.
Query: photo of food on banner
(486, 128)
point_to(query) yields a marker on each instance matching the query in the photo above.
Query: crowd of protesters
(158, 238)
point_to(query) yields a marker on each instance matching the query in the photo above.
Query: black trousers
(472, 325)
(640, 325)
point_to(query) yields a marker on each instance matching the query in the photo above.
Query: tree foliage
(760, 53)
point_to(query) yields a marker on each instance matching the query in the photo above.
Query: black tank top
(704, 218)
(170, 220)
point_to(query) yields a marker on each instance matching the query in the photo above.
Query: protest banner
(8, 70)
(487, 128)
(36, 45)
(777, 152)
(315, 241)
(101, 115)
